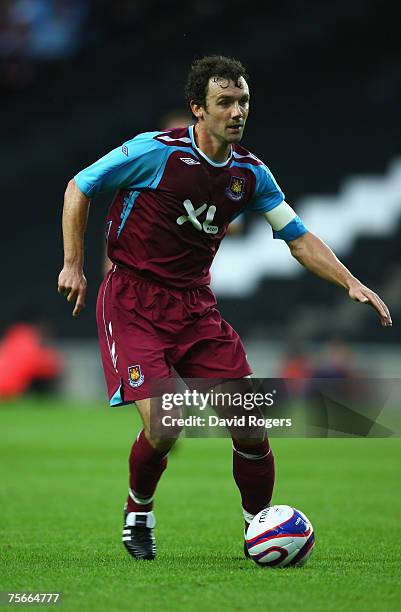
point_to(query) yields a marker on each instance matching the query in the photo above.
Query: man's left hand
(360, 293)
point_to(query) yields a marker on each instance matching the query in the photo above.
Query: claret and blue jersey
(173, 204)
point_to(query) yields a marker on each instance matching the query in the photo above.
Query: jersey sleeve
(134, 165)
(294, 229)
(267, 193)
(269, 197)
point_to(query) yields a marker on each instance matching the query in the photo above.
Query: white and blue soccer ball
(280, 536)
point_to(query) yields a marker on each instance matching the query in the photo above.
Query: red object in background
(24, 359)
(296, 370)
(296, 367)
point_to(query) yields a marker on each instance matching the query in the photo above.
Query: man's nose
(236, 110)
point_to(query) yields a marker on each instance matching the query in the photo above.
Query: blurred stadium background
(78, 77)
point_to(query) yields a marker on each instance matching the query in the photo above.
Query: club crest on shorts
(135, 376)
(236, 188)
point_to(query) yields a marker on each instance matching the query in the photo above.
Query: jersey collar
(210, 161)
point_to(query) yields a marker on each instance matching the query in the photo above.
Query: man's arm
(71, 280)
(134, 165)
(317, 257)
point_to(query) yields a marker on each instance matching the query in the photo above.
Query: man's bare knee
(160, 437)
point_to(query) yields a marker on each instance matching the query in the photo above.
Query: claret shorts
(150, 333)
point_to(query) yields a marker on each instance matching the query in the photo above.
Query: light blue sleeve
(267, 193)
(134, 165)
(267, 196)
(294, 229)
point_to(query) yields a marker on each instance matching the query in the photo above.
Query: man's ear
(197, 110)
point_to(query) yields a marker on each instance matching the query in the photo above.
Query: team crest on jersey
(135, 376)
(236, 188)
(125, 150)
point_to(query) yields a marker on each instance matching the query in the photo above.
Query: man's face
(227, 108)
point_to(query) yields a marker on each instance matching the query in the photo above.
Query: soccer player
(177, 192)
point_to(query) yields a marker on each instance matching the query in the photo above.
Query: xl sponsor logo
(193, 215)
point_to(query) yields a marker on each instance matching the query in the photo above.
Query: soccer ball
(280, 536)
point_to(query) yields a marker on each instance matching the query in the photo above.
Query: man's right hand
(72, 284)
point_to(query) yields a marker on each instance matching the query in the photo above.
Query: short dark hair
(207, 67)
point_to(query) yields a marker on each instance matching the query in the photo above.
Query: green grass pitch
(63, 473)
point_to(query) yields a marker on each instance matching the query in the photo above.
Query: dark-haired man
(177, 193)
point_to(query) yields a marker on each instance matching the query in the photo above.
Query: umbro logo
(189, 160)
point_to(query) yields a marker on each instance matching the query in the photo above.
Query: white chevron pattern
(367, 204)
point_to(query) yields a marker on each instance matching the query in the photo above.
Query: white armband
(280, 216)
